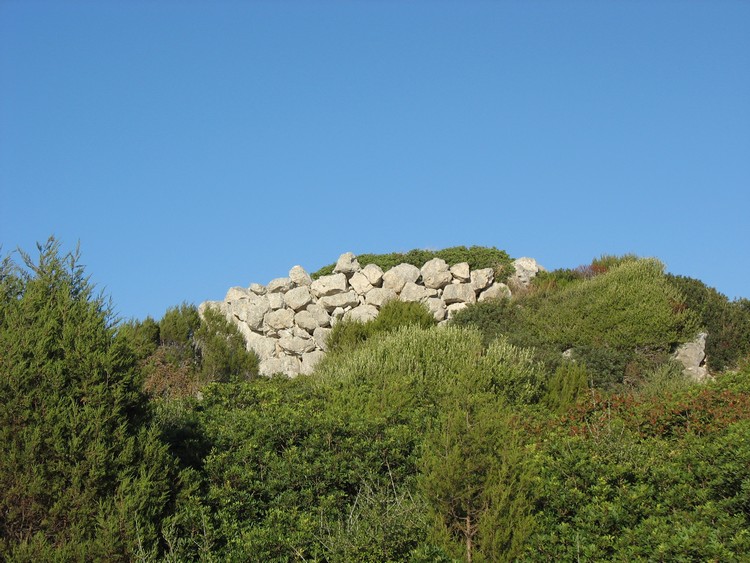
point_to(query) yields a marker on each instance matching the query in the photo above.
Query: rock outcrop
(286, 323)
(692, 356)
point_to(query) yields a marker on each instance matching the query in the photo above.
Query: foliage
(476, 256)
(347, 334)
(726, 322)
(82, 474)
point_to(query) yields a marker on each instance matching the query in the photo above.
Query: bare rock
(321, 315)
(321, 337)
(306, 321)
(299, 276)
(437, 307)
(361, 314)
(287, 365)
(461, 272)
(329, 285)
(436, 274)
(495, 291)
(298, 298)
(342, 300)
(416, 292)
(296, 345)
(360, 283)
(398, 276)
(482, 279)
(379, 296)
(279, 285)
(459, 293)
(692, 356)
(280, 319)
(374, 274)
(347, 264)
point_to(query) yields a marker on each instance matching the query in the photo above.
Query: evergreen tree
(83, 477)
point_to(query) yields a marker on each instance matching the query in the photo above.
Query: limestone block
(279, 285)
(263, 346)
(482, 279)
(280, 319)
(398, 276)
(455, 308)
(251, 311)
(416, 292)
(435, 274)
(275, 300)
(346, 264)
(374, 274)
(306, 321)
(459, 293)
(360, 283)
(296, 345)
(288, 365)
(495, 291)
(298, 298)
(321, 337)
(437, 307)
(331, 302)
(235, 294)
(299, 276)
(310, 360)
(329, 285)
(461, 272)
(362, 314)
(337, 314)
(692, 356)
(526, 269)
(379, 296)
(321, 315)
(257, 289)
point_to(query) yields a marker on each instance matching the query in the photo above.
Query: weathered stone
(310, 360)
(459, 293)
(337, 314)
(297, 298)
(379, 296)
(296, 345)
(374, 274)
(287, 365)
(257, 289)
(275, 300)
(329, 285)
(461, 272)
(299, 276)
(495, 291)
(415, 292)
(280, 319)
(455, 308)
(360, 283)
(436, 306)
(331, 302)
(362, 314)
(525, 270)
(435, 274)
(398, 276)
(482, 279)
(306, 321)
(251, 311)
(279, 285)
(321, 315)
(692, 356)
(219, 306)
(263, 346)
(236, 294)
(346, 264)
(321, 337)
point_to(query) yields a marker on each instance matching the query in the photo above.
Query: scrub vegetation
(553, 426)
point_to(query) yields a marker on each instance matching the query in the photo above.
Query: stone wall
(286, 323)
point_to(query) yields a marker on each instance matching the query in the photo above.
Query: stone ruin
(287, 322)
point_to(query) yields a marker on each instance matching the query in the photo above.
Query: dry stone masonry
(287, 322)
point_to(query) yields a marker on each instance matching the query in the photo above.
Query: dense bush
(347, 334)
(475, 256)
(726, 322)
(83, 475)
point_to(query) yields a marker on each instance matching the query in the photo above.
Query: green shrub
(223, 353)
(475, 256)
(726, 322)
(393, 315)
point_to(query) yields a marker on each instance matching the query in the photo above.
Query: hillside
(468, 407)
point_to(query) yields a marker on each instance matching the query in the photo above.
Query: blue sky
(195, 146)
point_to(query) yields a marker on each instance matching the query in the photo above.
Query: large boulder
(361, 314)
(343, 300)
(257, 289)
(275, 321)
(321, 315)
(495, 291)
(310, 360)
(287, 365)
(299, 276)
(298, 298)
(306, 321)
(263, 346)
(436, 274)
(346, 264)
(275, 300)
(236, 294)
(482, 279)
(692, 356)
(360, 283)
(374, 274)
(461, 272)
(379, 296)
(279, 285)
(398, 276)
(329, 285)
(321, 337)
(525, 270)
(459, 293)
(251, 310)
(436, 306)
(416, 292)
(296, 345)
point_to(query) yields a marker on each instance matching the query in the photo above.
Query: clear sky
(195, 146)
